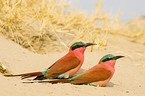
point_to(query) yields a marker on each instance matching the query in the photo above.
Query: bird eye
(107, 59)
(77, 46)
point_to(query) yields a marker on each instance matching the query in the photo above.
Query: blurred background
(45, 25)
(129, 9)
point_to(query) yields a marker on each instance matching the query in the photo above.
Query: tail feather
(26, 75)
(55, 80)
(41, 77)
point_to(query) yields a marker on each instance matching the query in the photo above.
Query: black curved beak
(89, 44)
(117, 57)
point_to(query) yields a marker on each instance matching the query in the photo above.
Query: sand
(128, 80)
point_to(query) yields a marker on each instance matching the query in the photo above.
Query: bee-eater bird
(65, 67)
(99, 75)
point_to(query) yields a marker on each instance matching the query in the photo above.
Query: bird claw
(63, 76)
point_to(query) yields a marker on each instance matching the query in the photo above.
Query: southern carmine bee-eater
(65, 67)
(99, 75)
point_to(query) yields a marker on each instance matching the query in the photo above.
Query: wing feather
(97, 73)
(62, 65)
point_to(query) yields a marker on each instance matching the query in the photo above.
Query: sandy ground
(128, 80)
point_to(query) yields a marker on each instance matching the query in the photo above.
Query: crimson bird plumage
(65, 67)
(99, 75)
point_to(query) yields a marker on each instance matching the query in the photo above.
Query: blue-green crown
(77, 45)
(110, 57)
(107, 57)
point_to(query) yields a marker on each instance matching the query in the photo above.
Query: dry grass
(3, 69)
(133, 30)
(45, 25)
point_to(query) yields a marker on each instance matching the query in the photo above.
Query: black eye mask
(107, 59)
(77, 46)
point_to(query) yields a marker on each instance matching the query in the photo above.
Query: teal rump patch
(43, 72)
